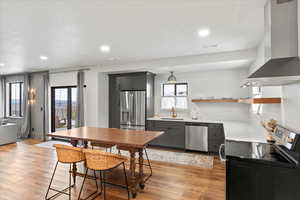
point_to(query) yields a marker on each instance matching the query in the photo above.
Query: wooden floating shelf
(261, 101)
(246, 101)
(215, 100)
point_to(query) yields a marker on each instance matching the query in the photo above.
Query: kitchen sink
(169, 118)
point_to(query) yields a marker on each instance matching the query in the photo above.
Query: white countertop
(234, 130)
(185, 119)
(243, 131)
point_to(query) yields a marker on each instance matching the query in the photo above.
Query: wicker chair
(65, 155)
(103, 161)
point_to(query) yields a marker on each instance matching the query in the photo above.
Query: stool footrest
(59, 192)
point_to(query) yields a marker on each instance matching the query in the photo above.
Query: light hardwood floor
(25, 172)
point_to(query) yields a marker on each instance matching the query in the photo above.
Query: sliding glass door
(63, 108)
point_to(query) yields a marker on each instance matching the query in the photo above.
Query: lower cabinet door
(174, 136)
(250, 181)
(240, 181)
(177, 137)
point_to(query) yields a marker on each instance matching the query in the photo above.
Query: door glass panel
(15, 100)
(74, 106)
(61, 109)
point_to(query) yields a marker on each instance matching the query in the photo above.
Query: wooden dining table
(133, 141)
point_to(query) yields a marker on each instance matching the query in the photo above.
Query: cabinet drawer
(167, 124)
(216, 132)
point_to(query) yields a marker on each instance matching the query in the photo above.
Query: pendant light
(172, 78)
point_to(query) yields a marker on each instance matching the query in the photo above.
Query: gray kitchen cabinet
(174, 136)
(132, 82)
(216, 137)
(139, 81)
(114, 102)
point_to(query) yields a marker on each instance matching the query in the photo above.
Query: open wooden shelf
(261, 101)
(246, 101)
(215, 100)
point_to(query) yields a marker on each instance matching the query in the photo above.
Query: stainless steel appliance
(286, 145)
(132, 110)
(196, 138)
(281, 58)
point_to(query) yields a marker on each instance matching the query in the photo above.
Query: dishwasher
(196, 137)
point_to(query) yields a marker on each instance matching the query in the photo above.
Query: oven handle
(221, 151)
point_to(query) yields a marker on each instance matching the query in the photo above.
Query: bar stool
(102, 145)
(65, 155)
(103, 161)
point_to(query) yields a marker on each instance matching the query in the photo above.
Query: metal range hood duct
(280, 44)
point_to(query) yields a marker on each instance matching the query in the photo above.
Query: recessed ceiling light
(2, 64)
(204, 32)
(43, 57)
(105, 48)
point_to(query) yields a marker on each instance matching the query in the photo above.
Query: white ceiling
(70, 32)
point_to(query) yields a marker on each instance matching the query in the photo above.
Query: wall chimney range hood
(282, 63)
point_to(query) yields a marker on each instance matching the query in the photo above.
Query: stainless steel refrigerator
(132, 110)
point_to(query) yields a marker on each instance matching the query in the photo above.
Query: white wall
(97, 99)
(221, 83)
(96, 94)
(103, 100)
(63, 79)
(260, 58)
(291, 106)
(37, 119)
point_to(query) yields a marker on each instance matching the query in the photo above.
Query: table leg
(85, 144)
(132, 173)
(74, 168)
(141, 169)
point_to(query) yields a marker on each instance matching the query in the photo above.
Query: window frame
(175, 95)
(69, 105)
(21, 86)
(175, 89)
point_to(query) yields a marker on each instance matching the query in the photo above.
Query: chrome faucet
(173, 113)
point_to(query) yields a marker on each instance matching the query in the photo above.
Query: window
(15, 98)
(257, 93)
(63, 107)
(174, 95)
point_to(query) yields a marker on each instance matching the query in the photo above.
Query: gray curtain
(3, 96)
(46, 105)
(25, 127)
(80, 99)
